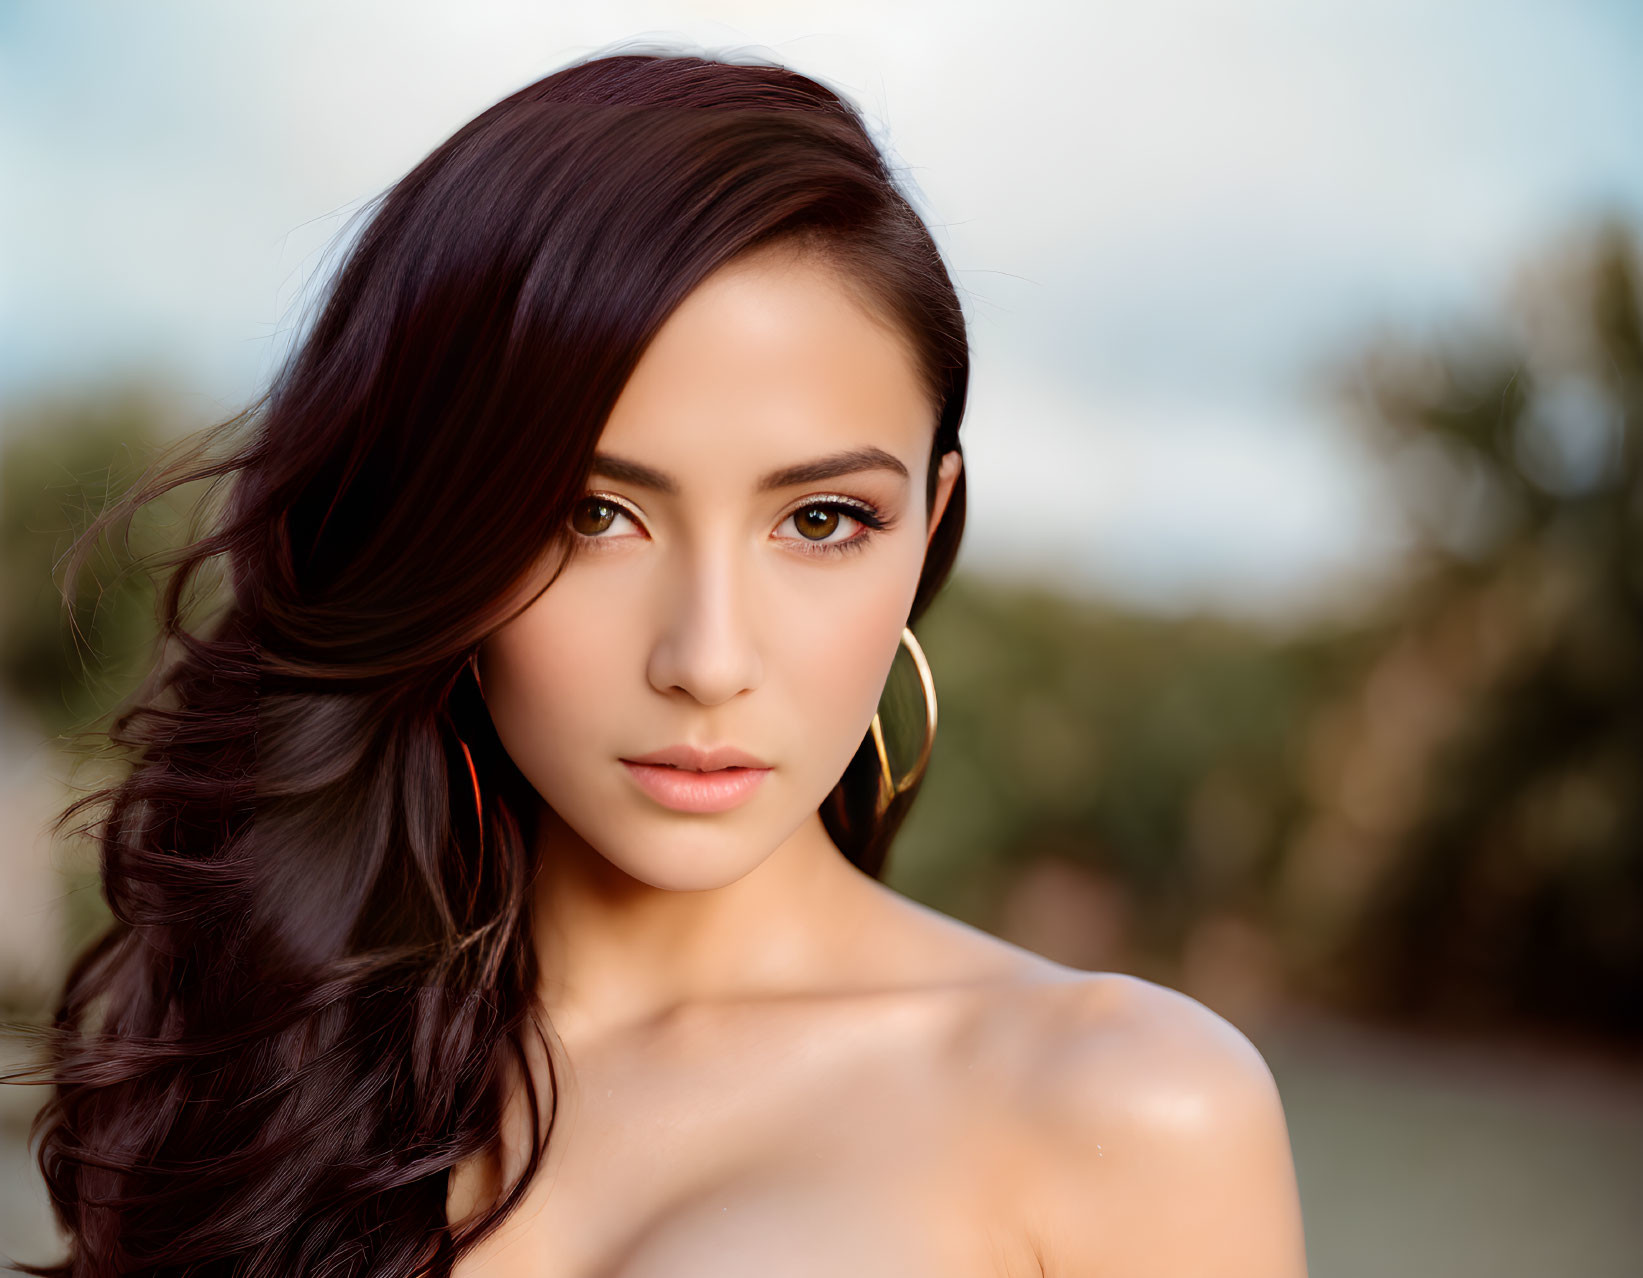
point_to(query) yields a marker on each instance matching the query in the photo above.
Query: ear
(951, 463)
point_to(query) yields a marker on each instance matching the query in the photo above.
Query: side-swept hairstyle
(319, 970)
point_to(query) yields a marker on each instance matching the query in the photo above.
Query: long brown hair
(319, 965)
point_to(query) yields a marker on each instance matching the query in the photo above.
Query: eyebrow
(851, 461)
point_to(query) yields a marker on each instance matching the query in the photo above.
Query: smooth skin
(771, 1063)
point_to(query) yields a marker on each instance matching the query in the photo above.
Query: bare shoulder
(1107, 1033)
(1158, 1138)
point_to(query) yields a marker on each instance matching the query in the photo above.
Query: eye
(817, 521)
(592, 517)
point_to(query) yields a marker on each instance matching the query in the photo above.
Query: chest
(774, 1218)
(769, 1157)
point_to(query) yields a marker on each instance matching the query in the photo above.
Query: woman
(496, 879)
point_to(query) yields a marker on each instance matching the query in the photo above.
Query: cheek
(845, 641)
(843, 631)
(553, 675)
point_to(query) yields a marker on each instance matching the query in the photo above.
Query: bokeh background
(1295, 655)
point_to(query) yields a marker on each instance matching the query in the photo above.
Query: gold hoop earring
(889, 788)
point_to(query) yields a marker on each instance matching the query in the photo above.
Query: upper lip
(699, 759)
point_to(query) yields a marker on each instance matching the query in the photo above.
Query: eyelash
(869, 517)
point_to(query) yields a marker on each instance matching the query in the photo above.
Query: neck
(613, 951)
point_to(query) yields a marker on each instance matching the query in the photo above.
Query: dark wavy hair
(319, 966)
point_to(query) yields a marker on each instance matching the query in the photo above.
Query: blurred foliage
(1436, 814)
(63, 459)
(1431, 812)
(1158, 753)
(1493, 781)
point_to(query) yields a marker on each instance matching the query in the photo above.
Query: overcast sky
(1161, 217)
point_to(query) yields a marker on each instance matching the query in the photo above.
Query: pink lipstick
(687, 791)
(696, 779)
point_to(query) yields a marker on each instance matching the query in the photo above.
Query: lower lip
(686, 791)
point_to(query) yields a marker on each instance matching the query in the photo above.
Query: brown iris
(602, 512)
(818, 519)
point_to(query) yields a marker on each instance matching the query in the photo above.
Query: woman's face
(744, 563)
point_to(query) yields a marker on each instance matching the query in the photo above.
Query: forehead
(770, 360)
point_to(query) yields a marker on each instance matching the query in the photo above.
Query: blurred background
(1295, 655)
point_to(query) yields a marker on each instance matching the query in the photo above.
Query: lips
(698, 758)
(696, 790)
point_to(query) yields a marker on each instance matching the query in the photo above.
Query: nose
(705, 644)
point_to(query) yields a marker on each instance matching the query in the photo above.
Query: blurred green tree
(64, 665)
(1153, 757)
(1490, 797)
(64, 459)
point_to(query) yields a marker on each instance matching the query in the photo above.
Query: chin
(690, 865)
(671, 851)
